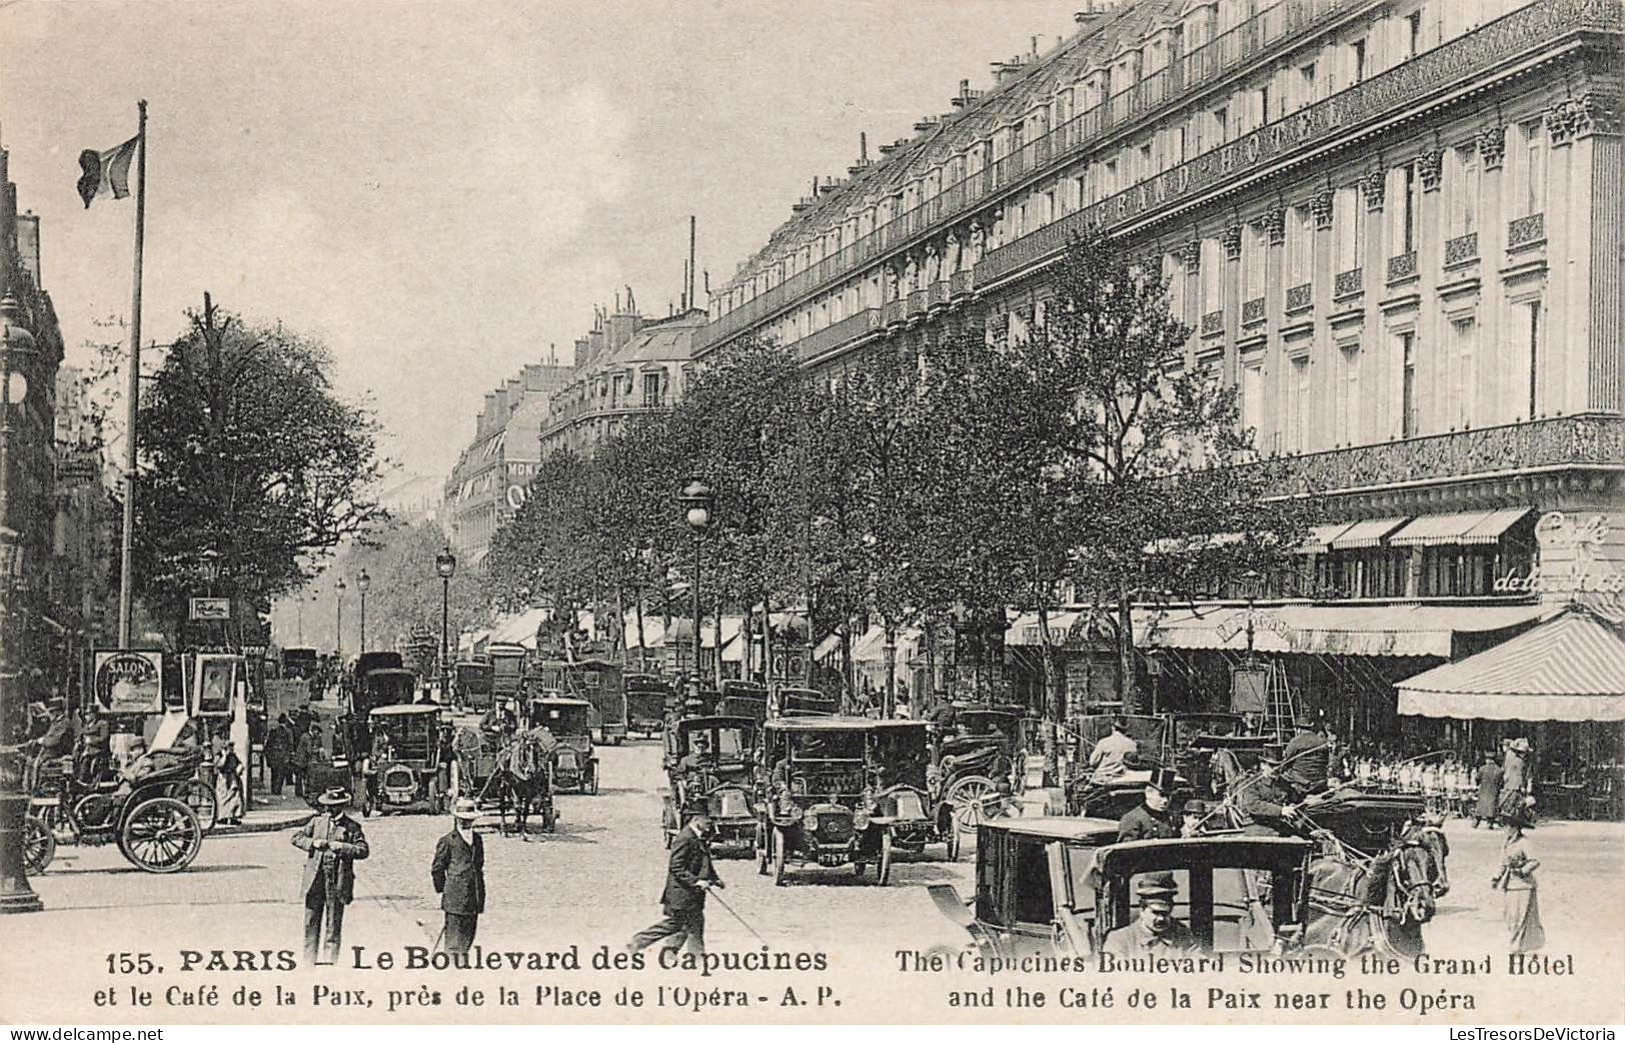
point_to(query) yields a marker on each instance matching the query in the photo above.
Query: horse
(523, 772)
(1224, 771)
(1376, 904)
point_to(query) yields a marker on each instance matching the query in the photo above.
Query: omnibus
(598, 681)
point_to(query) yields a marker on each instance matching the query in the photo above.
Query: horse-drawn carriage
(144, 811)
(648, 697)
(472, 685)
(1061, 886)
(817, 808)
(506, 773)
(409, 767)
(980, 758)
(575, 765)
(711, 766)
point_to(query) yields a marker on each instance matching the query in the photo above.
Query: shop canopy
(1570, 668)
(1464, 528)
(520, 629)
(1367, 533)
(1368, 630)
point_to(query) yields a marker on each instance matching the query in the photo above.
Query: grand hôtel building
(1394, 225)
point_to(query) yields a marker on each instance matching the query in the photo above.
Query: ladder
(1282, 710)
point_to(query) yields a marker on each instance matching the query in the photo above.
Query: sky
(442, 190)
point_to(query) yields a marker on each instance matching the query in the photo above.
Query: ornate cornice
(1492, 146)
(1429, 168)
(1321, 207)
(1374, 185)
(1231, 238)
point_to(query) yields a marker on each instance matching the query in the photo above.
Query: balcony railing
(834, 335)
(936, 294)
(1300, 298)
(1213, 323)
(1522, 231)
(1493, 45)
(1461, 249)
(1252, 312)
(916, 302)
(891, 312)
(1586, 440)
(959, 283)
(1401, 267)
(1348, 283)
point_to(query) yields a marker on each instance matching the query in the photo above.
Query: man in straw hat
(1154, 932)
(332, 842)
(458, 871)
(1155, 818)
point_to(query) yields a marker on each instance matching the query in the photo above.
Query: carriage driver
(1155, 931)
(1263, 804)
(1306, 761)
(1155, 818)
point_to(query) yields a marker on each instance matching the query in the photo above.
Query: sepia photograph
(933, 512)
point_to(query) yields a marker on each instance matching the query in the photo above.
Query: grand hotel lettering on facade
(1395, 226)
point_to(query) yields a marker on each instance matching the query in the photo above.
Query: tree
(247, 450)
(406, 590)
(1151, 462)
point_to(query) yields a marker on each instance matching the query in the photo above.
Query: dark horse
(1377, 904)
(522, 780)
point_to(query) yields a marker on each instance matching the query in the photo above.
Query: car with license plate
(820, 794)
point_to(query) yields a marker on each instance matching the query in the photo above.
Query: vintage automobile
(472, 685)
(807, 702)
(597, 681)
(905, 790)
(819, 794)
(980, 758)
(1059, 886)
(648, 697)
(143, 811)
(410, 764)
(575, 765)
(711, 766)
(507, 669)
(743, 699)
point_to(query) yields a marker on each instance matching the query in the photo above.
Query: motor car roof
(689, 724)
(405, 710)
(1054, 827)
(549, 700)
(1235, 851)
(820, 724)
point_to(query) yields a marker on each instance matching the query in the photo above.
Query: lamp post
(697, 500)
(362, 582)
(445, 563)
(338, 642)
(16, 349)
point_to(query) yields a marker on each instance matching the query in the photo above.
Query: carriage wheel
(39, 845)
(205, 804)
(883, 872)
(161, 835)
(778, 857)
(971, 797)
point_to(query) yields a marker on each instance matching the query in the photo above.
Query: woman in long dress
(228, 786)
(1516, 882)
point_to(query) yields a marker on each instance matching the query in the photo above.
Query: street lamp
(208, 570)
(16, 349)
(445, 563)
(362, 582)
(338, 642)
(697, 500)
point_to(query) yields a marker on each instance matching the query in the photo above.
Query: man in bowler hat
(459, 877)
(333, 843)
(689, 875)
(1155, 818)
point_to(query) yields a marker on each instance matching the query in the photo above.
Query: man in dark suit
(459, 877)
(333, 843)
(689, 875)
(1155, 818)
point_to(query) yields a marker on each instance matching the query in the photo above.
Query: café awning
(1570, 668)
(1465, 527)
(1368, 533)
(1320, 537)
(1371, 630)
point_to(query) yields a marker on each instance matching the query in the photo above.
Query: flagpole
(133, 388)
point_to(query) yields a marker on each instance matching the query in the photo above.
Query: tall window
(1462, 191)
(1221, 125)
(1357, 63)
(1350, 222)
(1534, 358)
(651, 390)
(1300, 244)
(1263, 104)
(1306, 85)
(1465, 334)
(1212, 276)
(1252, 262)
(1147, 164)
(1409, 205)
(1413, 34)
(1408, 417)
(1346, 414)
(1252, 401)
(1300, 404)
(1534, 167)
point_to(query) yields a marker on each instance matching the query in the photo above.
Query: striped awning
(1368, 533)
(1466, 527)
(1320, 537)
(1570, 668)
(1338, 629)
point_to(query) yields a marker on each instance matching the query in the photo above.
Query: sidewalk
(269, 815)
